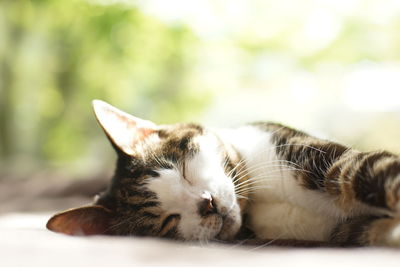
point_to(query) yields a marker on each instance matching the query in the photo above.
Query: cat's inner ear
(123, 129)
(89, 220)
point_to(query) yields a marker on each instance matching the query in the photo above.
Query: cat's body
(189, 182)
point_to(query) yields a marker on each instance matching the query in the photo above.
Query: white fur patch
(181, 195)
(280, 207)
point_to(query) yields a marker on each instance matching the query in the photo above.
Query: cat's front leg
(370, 182)
(370, 179)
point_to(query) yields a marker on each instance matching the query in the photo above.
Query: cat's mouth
(218, 226)
(230, 226)
(227, 231)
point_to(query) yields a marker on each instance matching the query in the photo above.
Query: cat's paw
(385, 232)
(393, 238)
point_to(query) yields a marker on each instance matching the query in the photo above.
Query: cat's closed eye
(168, 223)
(151, 173)
(184, 173)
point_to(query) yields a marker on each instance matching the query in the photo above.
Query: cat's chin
(230, 227)
(216, 227)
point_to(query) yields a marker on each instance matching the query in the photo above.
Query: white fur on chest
(279, 206)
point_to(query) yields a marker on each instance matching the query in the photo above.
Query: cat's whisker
(278, 167)
(251, 185)
(268, 162)
(285, 161)
(250, 182)
(253, 189)
(239, 164)
(268, 165)
(244, 173)
(279, 146)
(261, 177)
(240, 196)
(252, 177)
(269, 242)
(265, 175)
(225, 162)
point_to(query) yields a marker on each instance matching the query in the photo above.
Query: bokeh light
(331, 68)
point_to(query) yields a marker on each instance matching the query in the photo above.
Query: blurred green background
(331, 68)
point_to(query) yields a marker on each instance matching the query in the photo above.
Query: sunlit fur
(180, 194)
(168, 174)
(262, 180)
(242, 171)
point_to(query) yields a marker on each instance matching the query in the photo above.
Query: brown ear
(89, 220)
(123, 129)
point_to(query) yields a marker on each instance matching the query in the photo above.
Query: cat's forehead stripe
(178, 141)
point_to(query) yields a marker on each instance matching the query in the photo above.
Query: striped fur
(137, 208)
(364, 186)
(264, 181)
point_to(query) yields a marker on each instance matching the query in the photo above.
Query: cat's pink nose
(207, 204)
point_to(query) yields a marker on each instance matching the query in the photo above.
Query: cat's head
(171, 181)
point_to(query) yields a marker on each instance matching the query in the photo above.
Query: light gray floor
(24, 241)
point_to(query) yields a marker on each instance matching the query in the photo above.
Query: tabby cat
(262, 180)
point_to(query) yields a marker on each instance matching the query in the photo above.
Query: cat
(262, 180)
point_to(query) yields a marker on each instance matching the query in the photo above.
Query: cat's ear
(123, 129)
(89, 220)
